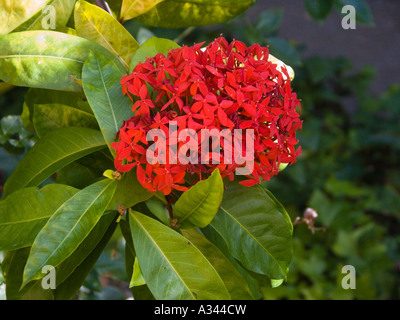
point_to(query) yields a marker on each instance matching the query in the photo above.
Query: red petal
(249, 183)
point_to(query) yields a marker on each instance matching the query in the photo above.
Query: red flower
(226, 86)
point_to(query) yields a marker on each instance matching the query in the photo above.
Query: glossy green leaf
(90, 249)
(93, 23)
(233, 280)
(150, 48)
(67, 267)
(15, 12)
(101, 83)
(262, 229)
(198, 205)
(181, 13)
(45, 59)
(172, 266)
(54, 151)
(61, 9)
(26, 211)
(70, 274)
(49, 117)
(68, 227)
(129, 192)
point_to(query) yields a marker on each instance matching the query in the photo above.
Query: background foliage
(348, 171)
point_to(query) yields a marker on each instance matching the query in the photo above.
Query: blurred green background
(349, 170)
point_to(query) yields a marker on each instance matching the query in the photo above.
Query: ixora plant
(167, 143)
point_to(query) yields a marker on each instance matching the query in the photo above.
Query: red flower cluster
(224, 86)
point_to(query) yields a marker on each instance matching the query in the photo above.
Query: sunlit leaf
(45, 59)
(101, 83)
(181, 13)
(93, 23)
(150, 48)
(15, 12)
(59, 10)
(134, 8)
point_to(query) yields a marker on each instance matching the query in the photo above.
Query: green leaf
(233, 280)
(172, 266)
(62, 10)
(134, 8)
(68, 227)
(198, 205)
(37, 96)
(76, 175)
(101, 83)
(54, 151)
(150, 48)
(90, 249)
(276, 283)
(181, 13)
(137, 278)
(70, 274)
(319, 9)
(45, 59)
(139, 292)
(261, 227)
(158, 209)
(13, 13)
(219, 242)
(93, 23)
(26, 211)
(49, 117)
(129, 192)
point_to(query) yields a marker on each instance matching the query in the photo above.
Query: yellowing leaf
(15, 12)
(134, 8)
(93, 23)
